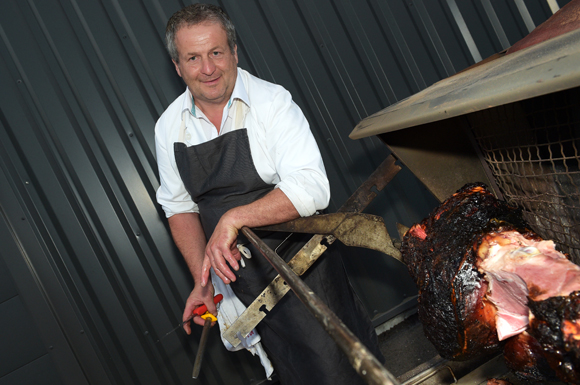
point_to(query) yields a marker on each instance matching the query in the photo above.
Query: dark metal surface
(361, 359)
(378, 180)
(36, 349)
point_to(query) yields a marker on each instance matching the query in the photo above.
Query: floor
(413, 359)
(405, 346)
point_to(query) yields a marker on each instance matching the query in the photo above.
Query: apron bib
(220, 175)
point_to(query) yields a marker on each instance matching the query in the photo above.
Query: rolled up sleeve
(297, 157)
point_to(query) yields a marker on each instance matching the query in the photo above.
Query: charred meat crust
(440, 253)
(554, 326)
(524, 356)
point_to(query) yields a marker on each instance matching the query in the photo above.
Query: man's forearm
(273, 208)
(189, 237)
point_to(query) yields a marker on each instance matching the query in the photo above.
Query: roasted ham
(487, 283)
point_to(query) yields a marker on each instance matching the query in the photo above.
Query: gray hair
(196, 14)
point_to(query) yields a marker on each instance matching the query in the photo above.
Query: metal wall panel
(83, 83)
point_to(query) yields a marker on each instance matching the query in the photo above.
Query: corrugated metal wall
(89, 276)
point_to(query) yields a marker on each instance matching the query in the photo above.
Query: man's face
(206, 63)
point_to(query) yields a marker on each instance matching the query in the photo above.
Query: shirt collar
(239, 92)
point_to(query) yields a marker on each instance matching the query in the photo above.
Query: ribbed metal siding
(83, 83)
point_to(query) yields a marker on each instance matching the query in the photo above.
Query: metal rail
(361, 359)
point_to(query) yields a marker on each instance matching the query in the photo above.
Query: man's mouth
(211, 82)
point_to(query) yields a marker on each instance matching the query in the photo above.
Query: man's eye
(216, 53)
(193, 58)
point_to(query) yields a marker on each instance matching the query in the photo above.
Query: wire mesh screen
(533, 150)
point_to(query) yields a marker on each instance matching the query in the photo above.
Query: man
(233, 151)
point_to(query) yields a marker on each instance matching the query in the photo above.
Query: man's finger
(186, 314)
(222, 276)
(232, 261)
(226, 271)
(198, 320)
(221, 268)
(236, 253)
(220, 253)
(205, 270)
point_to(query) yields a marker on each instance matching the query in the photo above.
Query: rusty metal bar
(361, 359)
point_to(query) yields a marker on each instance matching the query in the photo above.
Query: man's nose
(208, 66)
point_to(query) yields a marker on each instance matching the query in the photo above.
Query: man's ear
(176, 67)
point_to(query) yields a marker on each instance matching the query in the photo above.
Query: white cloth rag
(230, 308)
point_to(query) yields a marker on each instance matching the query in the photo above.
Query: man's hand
(222, 250)
(199, 296)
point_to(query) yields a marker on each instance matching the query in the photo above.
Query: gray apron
(219, 175)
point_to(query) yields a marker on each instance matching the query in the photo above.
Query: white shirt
(283, 148)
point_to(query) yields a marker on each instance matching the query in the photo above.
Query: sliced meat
(509, 293)
(546, 271)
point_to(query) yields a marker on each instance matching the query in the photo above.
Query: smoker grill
(512, 122)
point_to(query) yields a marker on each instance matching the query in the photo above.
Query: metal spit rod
(361, 359)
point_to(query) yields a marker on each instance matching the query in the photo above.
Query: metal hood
(544, 68)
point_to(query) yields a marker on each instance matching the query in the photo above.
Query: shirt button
(188, 136)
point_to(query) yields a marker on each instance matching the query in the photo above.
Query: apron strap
(240, 113)
(181, 136)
